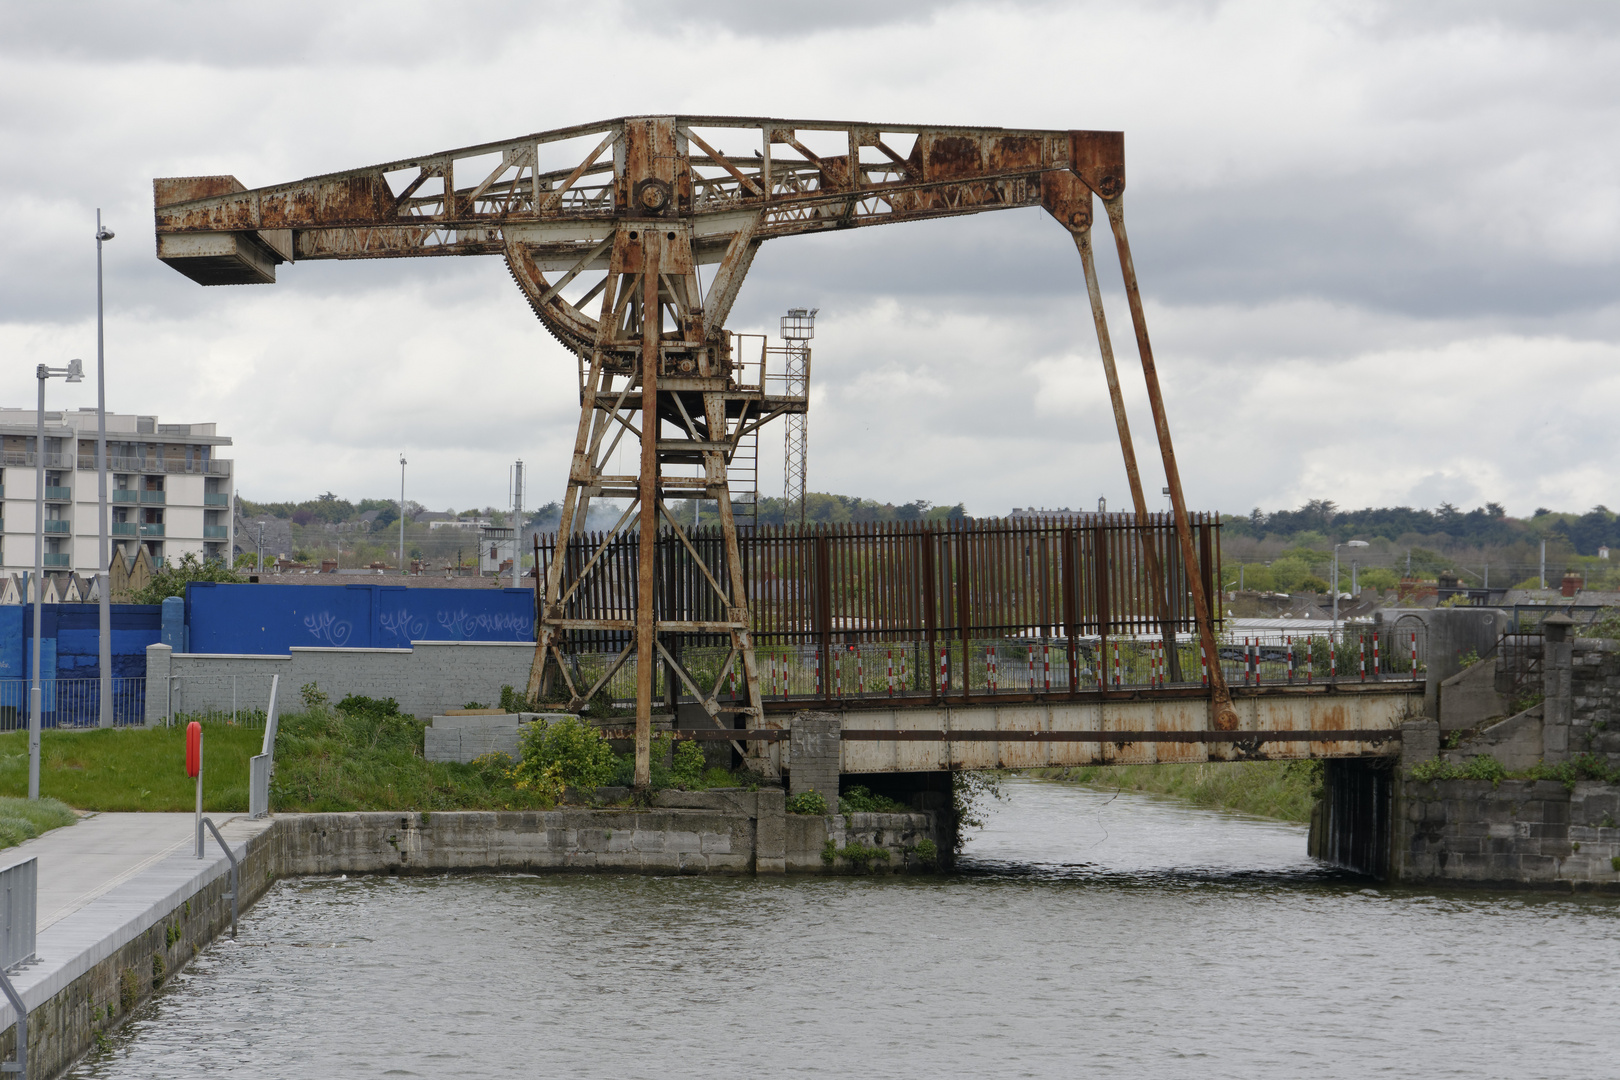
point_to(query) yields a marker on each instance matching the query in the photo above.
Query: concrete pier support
(1350, 826)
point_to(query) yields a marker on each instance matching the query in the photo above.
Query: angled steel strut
(642, 206)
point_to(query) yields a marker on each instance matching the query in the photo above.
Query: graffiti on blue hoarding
(328, 629)
(270, 618)
(464, 625)
(402, 625)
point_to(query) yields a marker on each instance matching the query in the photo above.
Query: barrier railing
(1030, 666)
(72, 703)
(19, 911)
(230, 699)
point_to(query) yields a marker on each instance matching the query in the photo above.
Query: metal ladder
(742, 480)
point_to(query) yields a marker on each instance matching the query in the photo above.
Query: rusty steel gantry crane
(651, 201)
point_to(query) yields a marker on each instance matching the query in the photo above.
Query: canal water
(1086, 933)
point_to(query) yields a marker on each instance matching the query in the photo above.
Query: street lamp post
(105, 719)
(402, 567)
(74, 372)
(1336, 547)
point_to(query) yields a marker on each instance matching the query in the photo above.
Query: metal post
(1226, 717)
(402, 567)
(1156, 579)
(104, 578)
(199, 793)
(647, 537)
(34, 718)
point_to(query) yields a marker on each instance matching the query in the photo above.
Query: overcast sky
(1380, 248)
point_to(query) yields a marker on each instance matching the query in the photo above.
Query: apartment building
(166, 489)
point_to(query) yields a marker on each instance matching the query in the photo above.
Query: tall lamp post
(402, 568)
(74, 372)
(104, 586)
(1336, 547)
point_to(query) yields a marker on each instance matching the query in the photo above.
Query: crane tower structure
(630, 238)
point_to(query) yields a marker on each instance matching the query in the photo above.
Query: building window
(154, 483)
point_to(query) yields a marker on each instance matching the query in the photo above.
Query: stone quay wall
(1537, 834)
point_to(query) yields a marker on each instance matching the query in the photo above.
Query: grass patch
(357, 754)
(133, 769)
(23, 819)
(369, 757)
(1276, 789)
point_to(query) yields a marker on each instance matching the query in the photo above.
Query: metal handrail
(229, 854)
(19, 1066)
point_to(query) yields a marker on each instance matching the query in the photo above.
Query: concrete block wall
(1519, 833)
(1594, 713)
(429, 678)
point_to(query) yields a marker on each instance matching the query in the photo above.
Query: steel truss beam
(627, 225)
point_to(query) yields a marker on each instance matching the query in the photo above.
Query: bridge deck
(1286, 723)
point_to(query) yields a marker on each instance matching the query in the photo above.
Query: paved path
(81, 862)
(106, 880)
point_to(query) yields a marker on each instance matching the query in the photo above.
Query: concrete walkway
(106, 880)
(81, 862)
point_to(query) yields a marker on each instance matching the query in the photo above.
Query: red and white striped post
(990, 668)
(838, 677)
(1046, 667)
(1414, 671)
(1290, 641)
(816, 660)
(944, 673)
(1361, 655)
(1333, 658)
(1377, 670)
(1203, 664)
(1116, 664)
(1031, 683)
(891, 673)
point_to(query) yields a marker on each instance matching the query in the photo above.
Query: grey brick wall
(426, 679)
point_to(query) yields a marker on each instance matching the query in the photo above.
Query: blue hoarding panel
(270, 619)
(13, 662)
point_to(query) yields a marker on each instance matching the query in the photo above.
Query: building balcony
(214, 467)
(216, 532)
(58, 494)
(217, 498)
(126, 495)
(58, 558)
(148, 529)
(124, 528)
(53, 525)
(152, 497)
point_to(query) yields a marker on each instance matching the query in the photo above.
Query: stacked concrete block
(814, 753)
(463, 738)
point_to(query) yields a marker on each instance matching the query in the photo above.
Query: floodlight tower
(798, 327)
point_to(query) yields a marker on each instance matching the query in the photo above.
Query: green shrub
(1483, 767)
(860, 856)
(687, 771)
(514, 702)
(927, 853)
(859, 800)
(812, 803)
(564, 751)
